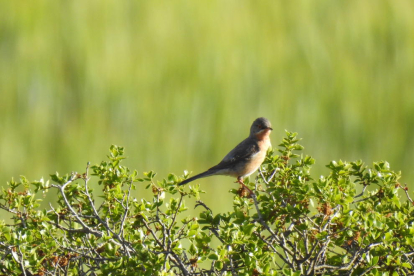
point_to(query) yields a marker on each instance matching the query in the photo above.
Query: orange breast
(252, 165)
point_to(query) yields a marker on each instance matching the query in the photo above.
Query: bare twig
(126, 208)
(406, 192)
(74, 213)
(200, 203)
(362, 193)
(263, 177)
(121, 240)
(270, 177)
(8, 209)
(21, 262)
(175, 213)
(274, 249)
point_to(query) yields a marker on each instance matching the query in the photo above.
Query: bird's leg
(240, 181)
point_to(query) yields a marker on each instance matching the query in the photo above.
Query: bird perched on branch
(246, 157)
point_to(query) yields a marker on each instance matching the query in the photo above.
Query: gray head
(260, 125)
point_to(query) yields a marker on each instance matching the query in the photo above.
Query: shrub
(350, 222)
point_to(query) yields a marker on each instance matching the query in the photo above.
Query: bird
(245, 158)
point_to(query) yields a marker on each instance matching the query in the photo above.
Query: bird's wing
(243, 151)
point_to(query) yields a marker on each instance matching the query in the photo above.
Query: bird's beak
(269, 128)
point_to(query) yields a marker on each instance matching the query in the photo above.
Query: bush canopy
(352, 221)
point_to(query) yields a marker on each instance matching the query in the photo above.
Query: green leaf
(213, 256)
(192, 233)
(374, 260)
(194, 226)
(218, 265)
(248, 229)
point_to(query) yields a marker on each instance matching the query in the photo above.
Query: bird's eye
(260, 126)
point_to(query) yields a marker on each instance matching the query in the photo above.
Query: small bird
(245, 158)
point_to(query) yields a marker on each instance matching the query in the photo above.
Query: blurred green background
(178, 84)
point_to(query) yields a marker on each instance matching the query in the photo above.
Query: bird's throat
(263, 135)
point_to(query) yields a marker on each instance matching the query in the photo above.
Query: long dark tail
(201, 175)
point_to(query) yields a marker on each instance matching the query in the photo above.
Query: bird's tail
(201, 175)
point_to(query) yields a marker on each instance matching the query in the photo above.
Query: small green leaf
(213, 256)
(374, 260)
(248, 229)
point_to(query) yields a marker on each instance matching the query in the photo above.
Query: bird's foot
(244, 187)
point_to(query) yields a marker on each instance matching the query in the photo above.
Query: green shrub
(350, 222)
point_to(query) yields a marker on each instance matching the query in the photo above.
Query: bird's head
(261, 127)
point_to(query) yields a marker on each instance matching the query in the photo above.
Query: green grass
(178, 84)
